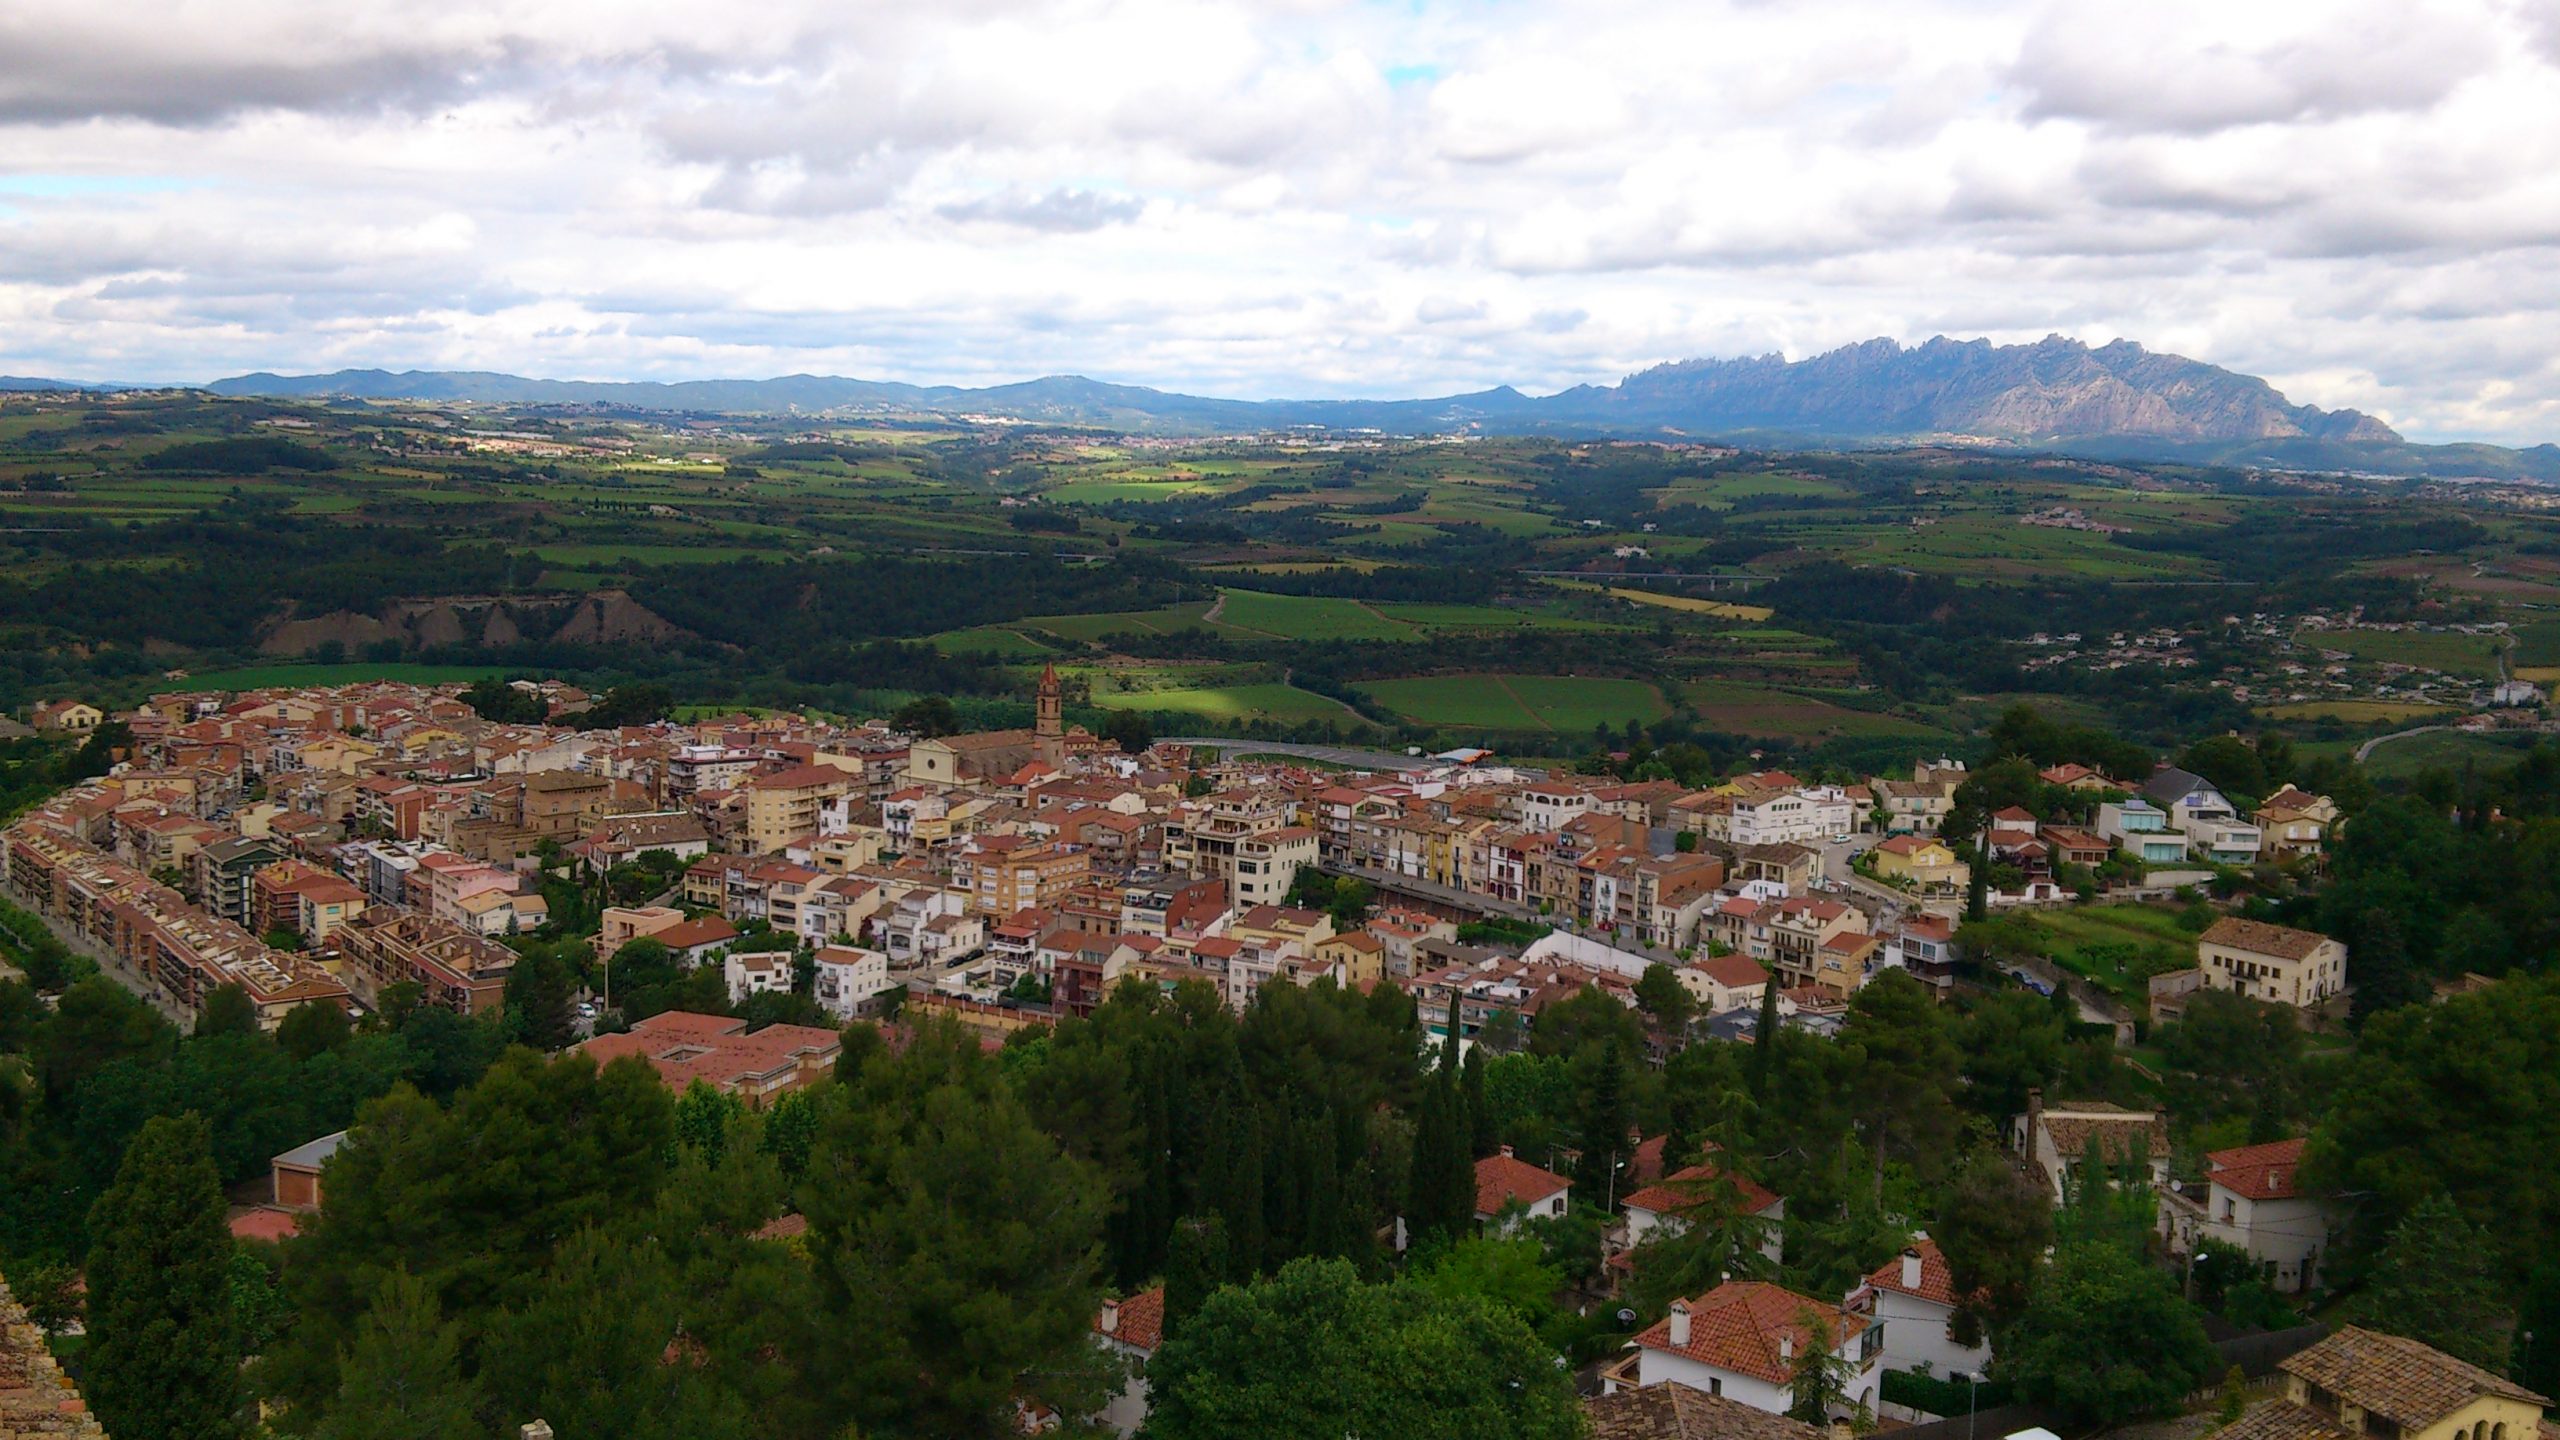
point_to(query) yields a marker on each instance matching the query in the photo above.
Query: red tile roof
(1937, 1282)
(1737, 1328)
(2258, 1172)
(1685, 1189)
(266, 1224)
(1501, 1179)
(1140, 1323)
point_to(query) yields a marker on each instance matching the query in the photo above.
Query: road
(1350, 755)
(2368, 747)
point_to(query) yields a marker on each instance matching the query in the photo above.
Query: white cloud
(2357, 198)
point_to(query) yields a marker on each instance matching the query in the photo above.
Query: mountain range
(2117, 400)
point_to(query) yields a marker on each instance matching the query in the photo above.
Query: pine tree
(403, 1378)
(538, 994)
(164, 1352)
(2438, 1283)
(227, 1010)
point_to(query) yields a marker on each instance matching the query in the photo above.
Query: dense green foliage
(1314, 1353)
(164, 1353)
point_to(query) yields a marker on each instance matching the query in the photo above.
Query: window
(1715, 1385)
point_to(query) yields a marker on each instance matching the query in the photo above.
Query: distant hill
(2117, 400)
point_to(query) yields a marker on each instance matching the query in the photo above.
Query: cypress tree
(1481, 1138)
(1604, 1129)
(1443, 1195)
(1764, 1040)
(164, 1351)
(1195, 1264)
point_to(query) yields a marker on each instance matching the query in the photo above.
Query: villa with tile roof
(1504, 1180)
(1745, 1341)
(2360, 1384)
(1913, 1296)
(2252, 1198)
(1131, 1328)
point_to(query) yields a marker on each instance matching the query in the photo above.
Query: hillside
(2117, 400)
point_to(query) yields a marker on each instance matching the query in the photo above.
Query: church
(991, 758)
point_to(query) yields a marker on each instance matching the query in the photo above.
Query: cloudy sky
(2359, 199)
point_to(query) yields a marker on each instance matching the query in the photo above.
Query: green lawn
(263, 677)
(1567, 703)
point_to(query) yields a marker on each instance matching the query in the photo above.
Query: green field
(1307, 617)
(1569, 703)
(642, 554)
(1746, 709)
(1464, 618)
(2118, 948)
(996, 640)
(264, 677)
(2538, 643)
(1166, 621)
(2471, 656)
(2406, 758)
(2356, 712)
(1270, 701)
(1982, 546)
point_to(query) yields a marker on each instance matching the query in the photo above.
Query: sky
(2358, 199)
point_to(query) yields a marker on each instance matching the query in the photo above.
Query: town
(1590, 988)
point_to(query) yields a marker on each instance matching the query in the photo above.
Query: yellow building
(2271, 962)
(2360, 1383)
(1357, 958)
(783, 806)
(1922, 860)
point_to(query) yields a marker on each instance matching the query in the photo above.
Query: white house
(849, 979)
(1913, 1297)
(2253, 1199)
(1792, 817)
(1744, 1341)
(2141, 829)
(758, 974)
(1660, 1207)
(2211, 824)
(1504, 1180)
(1131, 1329)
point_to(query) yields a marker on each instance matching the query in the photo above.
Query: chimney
(1110, 1317)
(1911, 1269)
(1679, 1324)
(1506, 1152)
(1786, 1345)
(2035, 1106)
(538, 1430)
